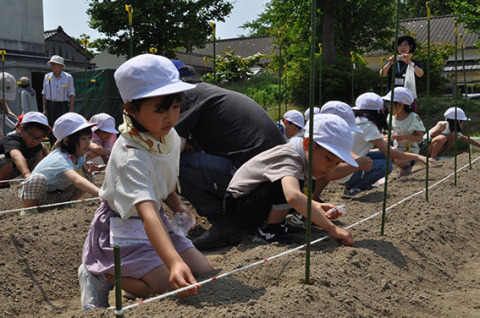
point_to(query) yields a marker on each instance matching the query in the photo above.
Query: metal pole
(389, 140)
(310, 144)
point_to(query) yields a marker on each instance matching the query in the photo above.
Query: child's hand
(181, 276)
(190, 214)
(342, 236)
(364, 163)
(432, 161)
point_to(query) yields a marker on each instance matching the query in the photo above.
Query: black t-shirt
(226, 123)
(400, 68)
(15, 141)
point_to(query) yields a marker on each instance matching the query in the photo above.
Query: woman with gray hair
(28, 97)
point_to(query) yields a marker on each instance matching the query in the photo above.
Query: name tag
(399, 81)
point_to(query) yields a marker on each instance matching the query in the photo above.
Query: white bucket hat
(148, 75)
(295, 117)
(450, 114)
(68, 124)
(332, 133)
(401, 95)
(103, 122)
(36, 117)
(57, 59)
(316, 110)
(369, 101)
(10, 86)
(342, 110)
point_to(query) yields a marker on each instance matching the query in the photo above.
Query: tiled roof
(244, 47)
(442, 29)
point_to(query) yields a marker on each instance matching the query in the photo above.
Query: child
(293, 122)
(258, 193)
(141, 174)
(62, 175)
(407, 127)
(442, 136)
(9, 92)
(316, 110)
(103, 137)
(371, 121)
(22, 151)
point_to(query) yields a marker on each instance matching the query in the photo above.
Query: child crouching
(263, 190)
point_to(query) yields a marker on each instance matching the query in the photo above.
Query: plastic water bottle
(182, 222)
(340, 208)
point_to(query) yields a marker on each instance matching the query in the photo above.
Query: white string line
(177, 291)
(48, 205)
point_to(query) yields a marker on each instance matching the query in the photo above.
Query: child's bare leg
(29, 203)
(5, 172)
(276, 216)
(198, 263)
(436, 145)
(402, 164)
(154, 282)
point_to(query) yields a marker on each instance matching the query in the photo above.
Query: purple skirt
(137, 260)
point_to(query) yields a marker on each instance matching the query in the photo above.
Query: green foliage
(162, 24)
(231, 69)
(468, 12)
(92, 46)
(439, 54)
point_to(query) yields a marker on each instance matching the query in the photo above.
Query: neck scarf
(144, 139)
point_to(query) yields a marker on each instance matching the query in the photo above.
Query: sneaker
(297, 220)
(349, 193)
(270, 233)
(94, 289)
(29, 211)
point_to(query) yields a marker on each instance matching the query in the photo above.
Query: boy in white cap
(316, 110)
(103, 137)
(6, 93)
(263, 190)
(21, 152)
(63, 175)
(58, 94)
(293, 122)
(442, 135)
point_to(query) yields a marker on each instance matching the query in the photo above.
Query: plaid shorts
(36, 187)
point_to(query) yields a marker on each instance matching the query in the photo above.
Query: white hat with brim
(36, 117)
(148, 75)
(369, 101)
(104, 122)
(450, 114)
(332, 133)
(343, 110)
(400, 95)
(316, 110)
(68, 124)
(295, 117)
(10, 86)
(57, 60)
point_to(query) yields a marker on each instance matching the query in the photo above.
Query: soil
(427, 263)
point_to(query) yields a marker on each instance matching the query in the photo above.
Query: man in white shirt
(58, 92)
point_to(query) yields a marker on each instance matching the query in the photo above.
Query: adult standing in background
(28, 97)
(58, 92)
(8, 92)
(220, 130)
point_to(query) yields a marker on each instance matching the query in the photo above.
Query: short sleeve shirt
(408, 126)
(15, 141)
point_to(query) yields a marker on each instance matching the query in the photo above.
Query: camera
(400, 57)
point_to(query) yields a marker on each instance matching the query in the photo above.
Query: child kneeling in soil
(442, 136)
(63, 175)
(263, 190)
(141, 174)
(20, 152)
(103, 138)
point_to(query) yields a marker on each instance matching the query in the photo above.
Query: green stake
(118, 282)
(129, 9)
(310, 144)
(4, 107)
(389, 140)
(279, 77)
(465, 105)
(428, 100)
(214, 26)
(320, 75)
(353, 78)
(85, 86)
(455, 96)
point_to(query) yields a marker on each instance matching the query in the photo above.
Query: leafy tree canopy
(163, 24)
(468, 12)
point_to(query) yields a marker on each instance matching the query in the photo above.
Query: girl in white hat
(63, 175)
(142, 173)
(103, 138)
(442, 136)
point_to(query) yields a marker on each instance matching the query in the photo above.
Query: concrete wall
(22, 24)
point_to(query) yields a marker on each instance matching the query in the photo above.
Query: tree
(93, 46)
(469, 14)
(417, 8)
(163, 24)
